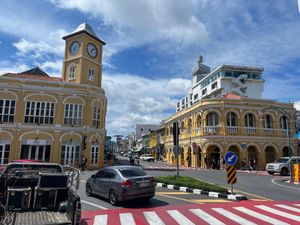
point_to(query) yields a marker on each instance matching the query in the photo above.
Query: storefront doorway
(36, 152)
(70, 154)
(4, 153)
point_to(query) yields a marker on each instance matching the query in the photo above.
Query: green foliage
(190, 183)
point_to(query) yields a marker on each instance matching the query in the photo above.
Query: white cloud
(37, 48)
(52, 67)
(133, 99)
(12, 67)
(139, 22)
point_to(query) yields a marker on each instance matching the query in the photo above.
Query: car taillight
(126, 183)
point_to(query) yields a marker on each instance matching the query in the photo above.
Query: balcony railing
(232, 130)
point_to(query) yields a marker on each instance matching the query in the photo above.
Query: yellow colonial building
(224, 112)
(56, 119)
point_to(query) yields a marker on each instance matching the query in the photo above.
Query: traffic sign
(231, 158)
(231, 174)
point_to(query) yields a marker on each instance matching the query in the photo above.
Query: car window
(282, 160)
(126, 172)
(100, 173)
(109, 174)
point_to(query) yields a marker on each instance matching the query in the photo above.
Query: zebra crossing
(246, 213)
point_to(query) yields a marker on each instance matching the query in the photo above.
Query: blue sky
(152, 46)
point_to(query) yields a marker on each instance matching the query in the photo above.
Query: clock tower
(83, 57)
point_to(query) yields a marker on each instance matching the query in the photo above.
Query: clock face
(74, 47)
(92, 50)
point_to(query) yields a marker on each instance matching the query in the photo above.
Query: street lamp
(288, 133)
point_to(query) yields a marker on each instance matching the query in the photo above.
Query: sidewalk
(168, 166)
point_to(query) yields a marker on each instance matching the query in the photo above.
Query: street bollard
(296, 172)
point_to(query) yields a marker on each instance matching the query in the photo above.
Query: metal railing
(231, 130)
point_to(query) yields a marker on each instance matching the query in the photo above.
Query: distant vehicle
(282, 165)
(121, 183)
(147, 157)
(39, 193)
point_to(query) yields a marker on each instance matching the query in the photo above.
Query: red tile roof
(232, 96)
(34, 77)
(35, 73)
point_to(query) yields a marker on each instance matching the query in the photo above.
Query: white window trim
(9, 109)
(72, 67)
(75, 116)
(96, 119)
(40, 111)
(94, 154)
(93, 74)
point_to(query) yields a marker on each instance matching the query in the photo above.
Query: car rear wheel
(88, 190)
(271, 172)
(284, 171)
(113, 198)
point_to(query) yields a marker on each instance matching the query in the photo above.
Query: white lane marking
(273, 181)
(82, 181)
(181, 219)
(233, 216)
(278, 212)
(100, 220)
(93, 204)
(289, 208)
(126, 219)
(206, 217)
(260, 216)
(297, 204)
(153, 219)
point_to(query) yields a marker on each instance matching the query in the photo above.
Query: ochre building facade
(252, 128)
(56, 119)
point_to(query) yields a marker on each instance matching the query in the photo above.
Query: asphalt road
(254, 186)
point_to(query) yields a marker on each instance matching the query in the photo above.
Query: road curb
(201, 192)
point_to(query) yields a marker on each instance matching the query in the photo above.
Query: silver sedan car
(121, 183)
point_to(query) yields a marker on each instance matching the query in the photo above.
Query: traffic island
(192, 185)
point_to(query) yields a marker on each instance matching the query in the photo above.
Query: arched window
(91, 73)
(283, 122)
(212, 119)
(72, 71)
(231, 119)
(96, 116)
(249, 120)
(189, 124)
(182, 125)
(267, 121)
(198, 121)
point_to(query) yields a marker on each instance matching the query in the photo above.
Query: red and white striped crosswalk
(246, 213)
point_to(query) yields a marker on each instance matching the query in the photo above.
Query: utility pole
(176, 144)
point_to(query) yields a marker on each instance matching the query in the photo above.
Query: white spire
(85, 27)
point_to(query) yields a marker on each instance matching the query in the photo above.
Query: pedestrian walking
(83, 162)
(251, 164)
(254, 164)
(132, 159)
(206, 162)
(223, 163)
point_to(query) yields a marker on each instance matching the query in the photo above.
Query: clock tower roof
(84, 28)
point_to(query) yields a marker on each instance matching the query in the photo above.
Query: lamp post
(288, 133)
